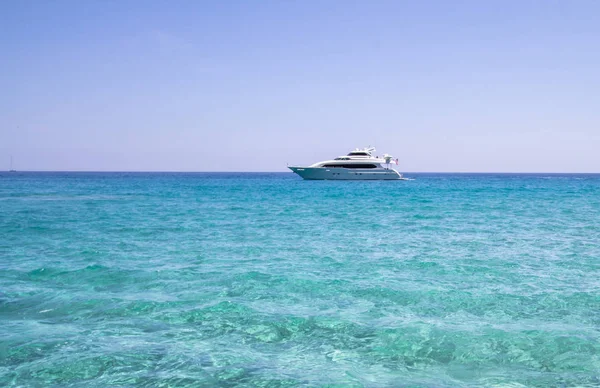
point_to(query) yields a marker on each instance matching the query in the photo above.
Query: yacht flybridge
(359, 164)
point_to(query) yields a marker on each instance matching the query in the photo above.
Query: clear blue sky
(252, 85)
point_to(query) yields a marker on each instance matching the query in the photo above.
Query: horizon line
(285, 172)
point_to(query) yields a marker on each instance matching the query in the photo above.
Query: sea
(267, 280)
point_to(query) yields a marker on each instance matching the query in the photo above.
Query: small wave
(63, 198)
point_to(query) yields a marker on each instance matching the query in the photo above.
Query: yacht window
(358, 154)
(353, 165)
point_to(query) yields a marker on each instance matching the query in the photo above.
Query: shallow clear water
(267, 280)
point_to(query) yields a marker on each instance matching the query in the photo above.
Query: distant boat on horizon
(11, 165)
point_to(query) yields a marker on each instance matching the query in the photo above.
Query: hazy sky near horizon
(457, 86)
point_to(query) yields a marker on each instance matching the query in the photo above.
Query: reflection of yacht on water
(359, 164)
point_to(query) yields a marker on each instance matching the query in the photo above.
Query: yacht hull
(324, 173)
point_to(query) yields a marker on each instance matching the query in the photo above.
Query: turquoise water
(165, 280)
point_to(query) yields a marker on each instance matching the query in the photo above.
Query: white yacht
(359, 164)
